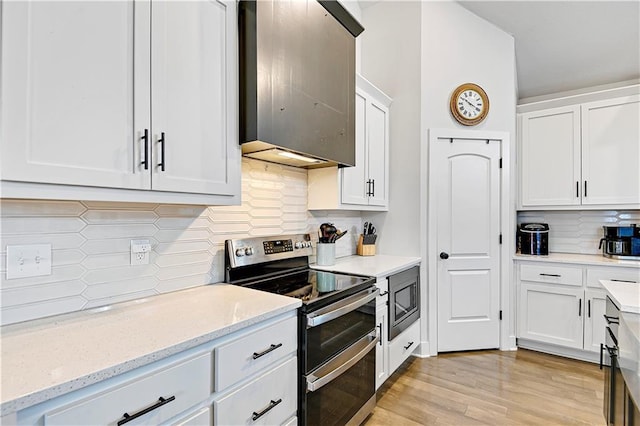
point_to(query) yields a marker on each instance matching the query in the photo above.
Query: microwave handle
(342, 307)
(334, 368)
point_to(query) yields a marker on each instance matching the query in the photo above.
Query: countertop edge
(348, 264)
(618, 292)
(11, 406)
(578, 259)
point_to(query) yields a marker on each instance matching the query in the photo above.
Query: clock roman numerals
(469, 104)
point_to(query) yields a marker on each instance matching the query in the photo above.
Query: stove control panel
(277, 246)
(249, 251)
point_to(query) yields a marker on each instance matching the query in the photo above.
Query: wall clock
(469, 104)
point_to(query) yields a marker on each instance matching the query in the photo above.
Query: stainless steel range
(336, 324)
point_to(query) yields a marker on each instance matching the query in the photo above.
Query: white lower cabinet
(551, 314)
(403, 345)
(266, 400)
(564, 305)
(260, 383)
(382, 350)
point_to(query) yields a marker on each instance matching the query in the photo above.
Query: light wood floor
(491, 388)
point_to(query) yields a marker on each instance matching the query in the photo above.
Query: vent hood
(297, 82)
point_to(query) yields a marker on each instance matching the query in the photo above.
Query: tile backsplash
(91, 242)
(579, 231)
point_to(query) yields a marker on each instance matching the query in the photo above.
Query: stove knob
(248, 251)
(240, 252)
(308, 244)
(299, 245)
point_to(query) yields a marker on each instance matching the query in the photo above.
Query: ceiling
(568, 45)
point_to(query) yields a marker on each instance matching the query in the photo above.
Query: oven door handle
(342, 307)
(338, 365)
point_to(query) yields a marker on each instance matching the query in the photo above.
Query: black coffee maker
(621, 242)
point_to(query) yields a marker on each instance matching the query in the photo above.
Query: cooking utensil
(366, 228)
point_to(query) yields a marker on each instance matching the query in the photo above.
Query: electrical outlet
(28, 261)
(140, 252)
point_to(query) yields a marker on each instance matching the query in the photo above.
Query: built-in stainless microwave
(404, 300)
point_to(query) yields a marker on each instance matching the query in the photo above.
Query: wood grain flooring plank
(491, 388)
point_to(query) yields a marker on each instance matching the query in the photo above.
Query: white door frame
(428, 243)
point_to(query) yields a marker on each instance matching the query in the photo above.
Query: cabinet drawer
(595, 274)
(403, 345)
(201, 417)
(245, 403)
(551, 274)
(245, 356)
(189, 382)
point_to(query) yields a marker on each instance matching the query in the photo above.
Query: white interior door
(468, 230)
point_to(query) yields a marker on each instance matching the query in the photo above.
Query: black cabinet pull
(611, 320)
(161, 142)
(579, 307)
(384, 293)
(145, 137)
(551, 275)
(589, 308)
(369, 191)
(444, 255)
(380, 340)
(408, 345)
(126, 417)
(585, 188)
(273, 347)
(601, 350)
(373, 187)
(625, 281)
(259, 414)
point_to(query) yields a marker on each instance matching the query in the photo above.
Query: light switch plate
(28, 261)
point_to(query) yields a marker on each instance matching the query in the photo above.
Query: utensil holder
(325, 254)
(366, 245)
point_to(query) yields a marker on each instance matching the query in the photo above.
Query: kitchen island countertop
(380, 265)
(49, 357)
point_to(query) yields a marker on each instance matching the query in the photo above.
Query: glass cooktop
(310, 285)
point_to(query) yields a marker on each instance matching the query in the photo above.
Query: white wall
(418, 53)
(391, 61)
(459, 47)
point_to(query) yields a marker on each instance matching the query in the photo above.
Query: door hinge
(500, 316)
(500, 163)
(500, 239)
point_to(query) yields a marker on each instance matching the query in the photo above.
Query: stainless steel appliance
(404, 300)
(297, 82)
(621, 242)
(614, 391)
(533, 238)
(336, 324)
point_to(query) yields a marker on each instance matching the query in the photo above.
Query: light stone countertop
(580, 259)
(625, 295)
(46, 358)
(379, 265)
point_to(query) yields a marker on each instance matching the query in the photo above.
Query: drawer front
(403, 345)
(201, 417)
(242, 405)
(552, 274)
(243, 357)
(189, 382)
(595, 274)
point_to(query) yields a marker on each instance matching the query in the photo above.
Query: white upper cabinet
(127, 95)
(366, 185)
(550, 157)
(611, 151)
(581, 155)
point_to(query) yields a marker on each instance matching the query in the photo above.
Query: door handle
(444, 255)
(145, 137)
(161, 141)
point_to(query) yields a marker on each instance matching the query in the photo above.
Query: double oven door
(337, 361)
